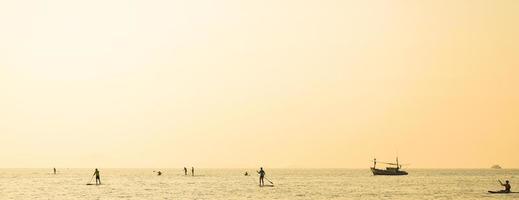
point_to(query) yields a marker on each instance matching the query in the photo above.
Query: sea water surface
(222, 184)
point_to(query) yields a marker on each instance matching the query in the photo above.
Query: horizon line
(302, 168)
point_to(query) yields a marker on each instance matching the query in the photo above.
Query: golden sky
(233, 83)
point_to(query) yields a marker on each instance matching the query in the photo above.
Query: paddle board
(267, 186)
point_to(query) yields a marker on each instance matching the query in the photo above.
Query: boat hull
(382, 172)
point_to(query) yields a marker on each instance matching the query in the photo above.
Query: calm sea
(222, 184)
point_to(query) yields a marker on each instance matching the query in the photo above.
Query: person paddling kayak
(506, 185)
(508, 188)
(262, 176)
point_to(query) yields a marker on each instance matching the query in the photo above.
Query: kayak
(501, 192)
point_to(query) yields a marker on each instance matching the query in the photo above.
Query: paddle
(269, 181)
(90, 182)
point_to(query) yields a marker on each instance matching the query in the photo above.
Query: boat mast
(397, 165)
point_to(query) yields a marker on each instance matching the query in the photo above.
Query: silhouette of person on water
(54, 170)
(506, 185)
(159, 173)
(262, 176)
(246, 174)
(185, 171)
(192, 171)
(98, 178)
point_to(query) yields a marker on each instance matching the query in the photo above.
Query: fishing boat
(394, 170)
(496, 167)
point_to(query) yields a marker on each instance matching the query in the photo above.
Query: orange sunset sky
(273, 83)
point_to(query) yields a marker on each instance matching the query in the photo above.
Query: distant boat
(389, 171)
(496, 167)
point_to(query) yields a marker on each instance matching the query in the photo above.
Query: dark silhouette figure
(506, 185)
(185, 171)
(261, 177)
(98, 177)
(192, 171)
(54, 170)
(159, 173)
(246, 174)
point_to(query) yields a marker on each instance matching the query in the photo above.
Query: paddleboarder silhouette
(262, 176)
(98, 177)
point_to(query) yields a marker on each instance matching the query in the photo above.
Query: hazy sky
(273, 83)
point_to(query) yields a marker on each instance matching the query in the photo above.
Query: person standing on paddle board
(192, 171)
(506, 185)
(185, 171)
(262, 176)
(98, 178)
(54, 170)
